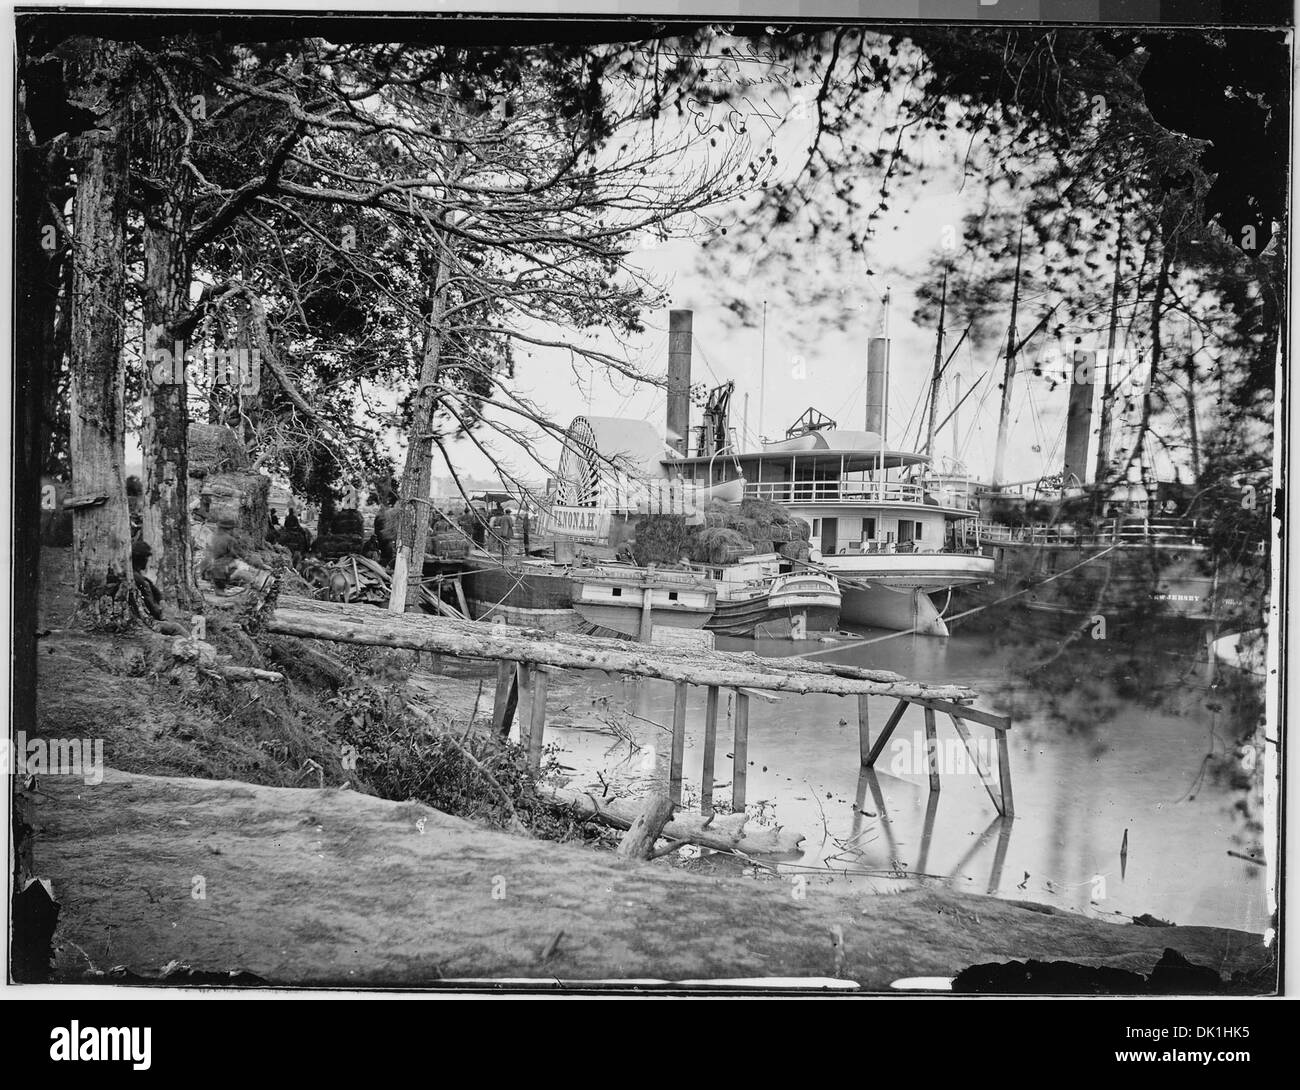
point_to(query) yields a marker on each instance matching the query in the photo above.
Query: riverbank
(332, 887)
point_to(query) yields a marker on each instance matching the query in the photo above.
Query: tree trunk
(37, 251)
(413, 501)
(639, 841)
(101, 532)
(165, 415)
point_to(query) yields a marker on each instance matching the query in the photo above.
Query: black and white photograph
(664, 501)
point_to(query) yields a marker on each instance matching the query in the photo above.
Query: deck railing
(835, 492)
(1116, 531)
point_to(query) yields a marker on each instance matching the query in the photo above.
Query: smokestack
(877, 384)
(1078, 420)
(679, 378)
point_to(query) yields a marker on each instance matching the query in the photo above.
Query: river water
(1108, 751)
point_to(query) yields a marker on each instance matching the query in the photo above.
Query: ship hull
(529, 596)
(892, 590)
(898, 610)
(634, 605)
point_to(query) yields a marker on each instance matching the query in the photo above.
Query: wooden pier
(531, 654)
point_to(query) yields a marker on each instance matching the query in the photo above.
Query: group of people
(494, 529)
(501, 525)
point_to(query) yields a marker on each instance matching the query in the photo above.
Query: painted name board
(586, 522)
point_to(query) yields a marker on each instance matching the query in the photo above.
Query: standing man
(525, 525)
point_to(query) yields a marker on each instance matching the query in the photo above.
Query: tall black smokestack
(1078, 420)
(877, 384)
(679, 378)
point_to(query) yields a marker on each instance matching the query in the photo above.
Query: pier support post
(932, 749)
(537, 718)
(740, 753)
(532, 711)
(864, 729)
(524, 679)
(503, 707)
(680, 692)
(890, 724)
(986, 777)
(1004, 775)
(710, 749)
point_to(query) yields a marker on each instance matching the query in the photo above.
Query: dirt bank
(308, 886)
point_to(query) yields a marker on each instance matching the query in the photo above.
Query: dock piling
(537, 717)
(932, 749)
(501, 701)
(1004, 775)
(710, 749)
(864, 728)
(680, 692)
(740, 753)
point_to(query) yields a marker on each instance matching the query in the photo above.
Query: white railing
(1106, 532)
(876, 548)
(835, 492)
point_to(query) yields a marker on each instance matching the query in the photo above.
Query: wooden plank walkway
(534, 652)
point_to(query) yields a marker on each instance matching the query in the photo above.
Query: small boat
(632, 601)
(757, 599)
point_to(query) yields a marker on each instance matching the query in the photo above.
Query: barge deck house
(886, 540)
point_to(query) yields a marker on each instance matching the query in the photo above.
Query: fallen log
(639, 841)
(298, 656)
(470, 639)
(726, 833)
(205, 659)
(242, 673)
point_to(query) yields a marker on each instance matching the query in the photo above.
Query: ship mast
(938, 369)
(1102, 473)
(1004, 416)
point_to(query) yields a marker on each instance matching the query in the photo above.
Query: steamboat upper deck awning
(824, 450)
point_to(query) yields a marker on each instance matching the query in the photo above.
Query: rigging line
(848, 401)
(911, 417)
(970, 366)
(979, 408)
(1056, 445)
(1024, 396)
(1035, 414)
(708, 366)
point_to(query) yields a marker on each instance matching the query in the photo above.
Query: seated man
(140, 554)
(224, 565)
